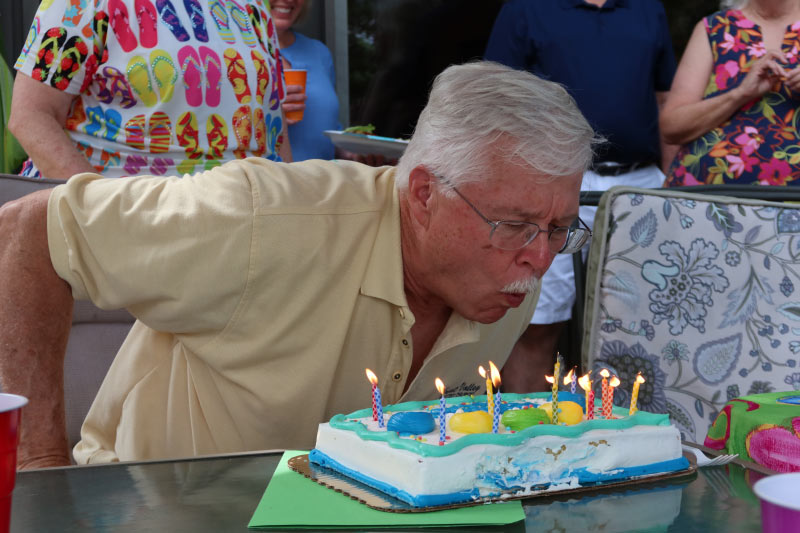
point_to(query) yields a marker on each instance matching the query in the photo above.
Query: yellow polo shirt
(262, 291)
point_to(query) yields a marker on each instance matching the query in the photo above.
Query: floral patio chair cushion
(700, 293)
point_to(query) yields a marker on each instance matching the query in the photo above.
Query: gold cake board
(381, 501)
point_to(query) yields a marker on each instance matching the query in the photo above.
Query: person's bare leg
(35, 319)
(532, 357)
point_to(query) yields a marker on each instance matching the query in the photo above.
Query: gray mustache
(525, 286)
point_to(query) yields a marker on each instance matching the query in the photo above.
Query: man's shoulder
(317, 186)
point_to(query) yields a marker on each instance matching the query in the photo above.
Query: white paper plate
(367, 144)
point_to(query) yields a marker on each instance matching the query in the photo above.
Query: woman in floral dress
(734, 101)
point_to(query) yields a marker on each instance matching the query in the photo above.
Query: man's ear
(420, 195)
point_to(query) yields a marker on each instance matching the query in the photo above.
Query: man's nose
(537, 254)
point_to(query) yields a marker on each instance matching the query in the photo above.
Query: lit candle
(612, 384)
(635, 394)
(571, 380)
(442, 406)
(495, 374)
(497, 398)
(377, 407)
(556, 378)
(489, 399)
(605, 406)
(586, 385)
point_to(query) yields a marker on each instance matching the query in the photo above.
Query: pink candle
(377, 404)
(590, 404)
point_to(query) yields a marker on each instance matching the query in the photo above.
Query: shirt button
(396, 376)
(405, 342)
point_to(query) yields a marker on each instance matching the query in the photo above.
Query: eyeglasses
(516, 234)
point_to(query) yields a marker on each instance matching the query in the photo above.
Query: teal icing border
(640, 418)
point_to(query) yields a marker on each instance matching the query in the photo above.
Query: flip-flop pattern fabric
(161, 86)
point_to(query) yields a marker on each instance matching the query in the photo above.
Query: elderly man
(263, 290)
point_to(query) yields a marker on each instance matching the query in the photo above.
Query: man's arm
(35, 319)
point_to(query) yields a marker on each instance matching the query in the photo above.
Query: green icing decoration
(519, 419)
(346, 422)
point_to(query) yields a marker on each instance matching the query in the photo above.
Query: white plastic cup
(780, 503)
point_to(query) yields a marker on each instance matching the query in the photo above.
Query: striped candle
(379, 407)
(496, 416)
(442, 407)
(605, 408)
(556, 378)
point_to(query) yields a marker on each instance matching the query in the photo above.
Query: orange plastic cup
(295, 76)
(10, 410)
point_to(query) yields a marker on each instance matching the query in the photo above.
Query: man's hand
(35, 319)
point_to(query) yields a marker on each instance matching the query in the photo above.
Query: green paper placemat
(292, 501)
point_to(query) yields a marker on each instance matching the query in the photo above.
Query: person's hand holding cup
(295, 102)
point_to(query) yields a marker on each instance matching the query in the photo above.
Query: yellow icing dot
(472, 422)
(570, 413)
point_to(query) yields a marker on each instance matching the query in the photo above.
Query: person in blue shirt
(615, 58)
(320, 100)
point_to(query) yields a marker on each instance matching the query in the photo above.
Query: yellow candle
(489, 398)
(556, 377)
(635, 393)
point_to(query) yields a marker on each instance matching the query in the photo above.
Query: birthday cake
(411, 458)
(764, 428)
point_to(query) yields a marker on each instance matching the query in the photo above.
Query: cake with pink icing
(764, 428)
(406, 457)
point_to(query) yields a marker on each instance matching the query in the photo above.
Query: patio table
(220, 493)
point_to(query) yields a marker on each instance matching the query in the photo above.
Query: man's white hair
(473, 106)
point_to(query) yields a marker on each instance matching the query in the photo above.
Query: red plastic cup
(780, 503)
(10, 412)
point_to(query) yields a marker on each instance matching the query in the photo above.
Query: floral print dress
(759, 143)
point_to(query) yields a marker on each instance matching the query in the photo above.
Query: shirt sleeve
(65, 41)
(175, 252)
(509, 42)
(665, 64)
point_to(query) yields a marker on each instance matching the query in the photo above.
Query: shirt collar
(384, 275)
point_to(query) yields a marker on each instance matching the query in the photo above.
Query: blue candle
(379, 407)
(442, 406)
(496, 417)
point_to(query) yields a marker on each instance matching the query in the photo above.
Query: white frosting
(536, 461)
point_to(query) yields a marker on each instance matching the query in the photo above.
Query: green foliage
(11, 153)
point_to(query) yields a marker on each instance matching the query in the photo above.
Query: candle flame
(482, 371)
(372, 377)
(614, 382)
(568, 377)
(605, 373)
(549, 379)
(585, 382)
(495, 375)
(639, 378)
(440, 386)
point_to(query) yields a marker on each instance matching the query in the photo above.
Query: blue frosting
(565, 396)
(584, 477)
(411, 423)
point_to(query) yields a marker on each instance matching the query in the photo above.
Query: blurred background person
(616, 59)
(319, 102)
(733, 104)
(126, 87)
